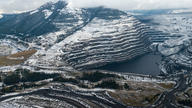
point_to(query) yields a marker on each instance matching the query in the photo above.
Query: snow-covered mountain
(173, 24)
(77, 37)
(105, 41)
(48, 18)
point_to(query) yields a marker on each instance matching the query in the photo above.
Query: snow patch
(173, 46)
(35, 11)
(14, 46)
(181, 11)
(1, 16)
(47, 13)
(174, 24)
(98, 27)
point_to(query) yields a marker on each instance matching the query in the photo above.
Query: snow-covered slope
(178, 52)
(179, 11)
(105, 41)
(67, 37)
(168, 26)
(50, 17)
(1, 16)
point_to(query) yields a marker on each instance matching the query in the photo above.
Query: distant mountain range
(160, 11)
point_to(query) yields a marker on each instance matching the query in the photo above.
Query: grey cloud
(12, 6)
(135, 4)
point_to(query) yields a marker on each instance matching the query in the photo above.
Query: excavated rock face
(184, 58)
(81, 37)
(178, 54)
(111, 36)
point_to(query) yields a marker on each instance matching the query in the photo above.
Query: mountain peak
(54, 16)
(51, 5)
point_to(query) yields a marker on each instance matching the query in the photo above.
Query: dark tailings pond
(146, 64)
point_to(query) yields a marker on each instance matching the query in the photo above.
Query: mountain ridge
(51, 28)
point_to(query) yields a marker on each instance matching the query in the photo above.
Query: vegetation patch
(94, 80)
(17, 87)
(22, 79)
(167, 85)
(138, 94)
(24, 75)
(185, 98)
(12, 79)
(17, 58)
(186, 102)
(62, 79)
(110, 84)
(97, 76)
(135, 98)
(189, 92)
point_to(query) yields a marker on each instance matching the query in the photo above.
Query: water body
(146, 64)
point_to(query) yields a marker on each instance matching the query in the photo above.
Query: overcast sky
(13, 6)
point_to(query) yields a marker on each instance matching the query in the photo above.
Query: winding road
(168, 99)
(71, 97)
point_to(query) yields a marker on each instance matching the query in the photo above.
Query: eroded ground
(141, 93)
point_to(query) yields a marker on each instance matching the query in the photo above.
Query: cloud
(134, 4)
(15, 6)
(12, 6)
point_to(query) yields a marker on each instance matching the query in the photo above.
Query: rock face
(184, 58)
(50, 17)
(112, 36)
(78, 37)
(178, 54)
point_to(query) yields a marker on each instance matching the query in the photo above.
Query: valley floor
(82, 90)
